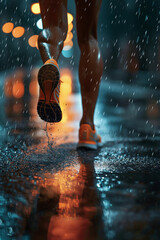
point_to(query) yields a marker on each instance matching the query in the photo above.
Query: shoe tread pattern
(49, 112)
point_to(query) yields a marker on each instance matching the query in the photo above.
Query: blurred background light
(33, 88)
(33, 41)
(69, 37)
(18, 32)
(8, 85)
(70, 27)
(66, 77)
(69, 43)
(70, 18)
(14, 85)
(67, 53)
(18, 89)
(66, 85)
(67, 47)
(7, 27)
(35, 8)
(39, 24)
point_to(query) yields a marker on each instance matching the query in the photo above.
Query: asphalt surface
(51, 190)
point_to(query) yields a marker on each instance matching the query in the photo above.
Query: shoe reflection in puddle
(68, 206)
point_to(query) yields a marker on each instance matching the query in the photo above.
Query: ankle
(52, 61)
(87, 121)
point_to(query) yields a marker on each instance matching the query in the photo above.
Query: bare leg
(91, 64)
(50, 42)
(54, 17)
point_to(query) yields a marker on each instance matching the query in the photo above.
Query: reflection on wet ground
(49, 190)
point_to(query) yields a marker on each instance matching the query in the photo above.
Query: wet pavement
(51, 190)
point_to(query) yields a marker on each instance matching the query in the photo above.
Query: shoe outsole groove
(49, 112)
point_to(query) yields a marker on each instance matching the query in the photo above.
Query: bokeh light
(69, 17)
(18, 89)
(7, 27)
(70, 27)
(35, 8)
(33, 41)
(39, 24)
(34, 88)
(67, 53)
(69, 43)
(66, 86)
(65, 90)
(18, 32)
(69, 37)
(67, 48)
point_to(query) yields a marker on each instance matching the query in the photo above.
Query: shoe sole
(99, 144)
(90, 146)
(48, 111)
(87, 146)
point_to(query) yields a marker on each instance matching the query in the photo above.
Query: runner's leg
(91, 64)
(50, 42)
(54, 18)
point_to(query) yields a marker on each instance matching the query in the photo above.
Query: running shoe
(88, 138)
(48, 107)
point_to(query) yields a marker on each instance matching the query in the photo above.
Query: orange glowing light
(69, 43)
(18, 32)
(66, 86)
(65, 90)
(34, 74)
(33, 88)
(7, 27)
(35, 8)
(69, 37)
(70, 18)
(33, 41)
(70, 27)
(18, 89)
